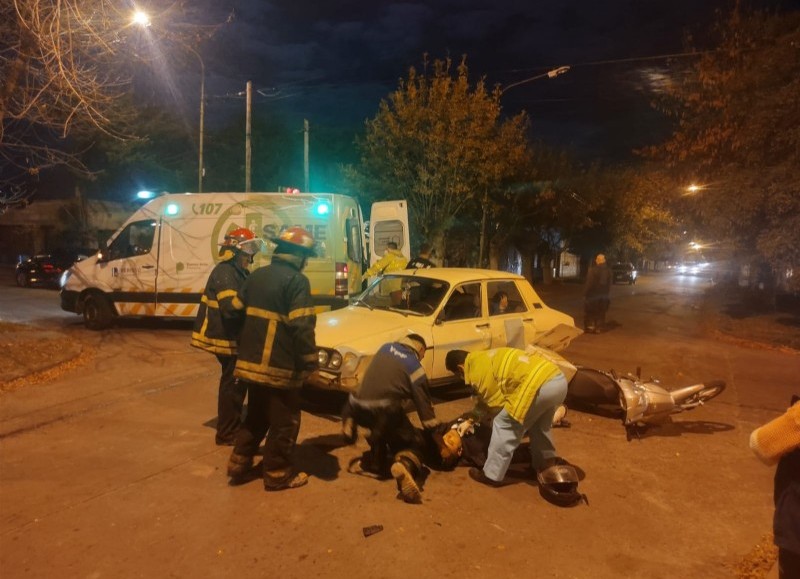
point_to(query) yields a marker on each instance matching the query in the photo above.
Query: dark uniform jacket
(218, 322)
(394, 376)
(598, 281)
(277, 346)
(420, 262)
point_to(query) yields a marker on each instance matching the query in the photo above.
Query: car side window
(464, 303)
(504, 298)
(136, 239)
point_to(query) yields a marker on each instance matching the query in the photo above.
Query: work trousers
(230, 401)
(507, 433)
(273, 413)
(390, 431)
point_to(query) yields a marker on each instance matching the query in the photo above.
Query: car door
(131, 262)
(513, 326)
(462, 324)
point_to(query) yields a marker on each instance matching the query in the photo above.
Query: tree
(64, 70)
(738, 130)
(59, 75)
(442, 145)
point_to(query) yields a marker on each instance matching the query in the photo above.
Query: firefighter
(217, 325)
(277, 351)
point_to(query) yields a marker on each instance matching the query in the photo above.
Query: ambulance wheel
(96, 312)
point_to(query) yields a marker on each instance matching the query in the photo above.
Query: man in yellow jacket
(524, 390)
(392, 260)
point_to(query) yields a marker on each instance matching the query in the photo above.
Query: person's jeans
(507, 433)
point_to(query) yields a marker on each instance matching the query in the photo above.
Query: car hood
(363, 330)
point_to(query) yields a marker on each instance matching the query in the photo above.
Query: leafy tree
(738, 130)
(442, 145)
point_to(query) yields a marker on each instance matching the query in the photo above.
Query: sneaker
(409, 490)
(477, 475)
(298, 480)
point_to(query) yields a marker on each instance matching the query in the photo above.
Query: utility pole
(305, 157)
(247, 148)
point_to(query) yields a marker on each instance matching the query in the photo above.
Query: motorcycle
(638, 402)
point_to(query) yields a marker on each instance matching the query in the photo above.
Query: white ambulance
(158, 262)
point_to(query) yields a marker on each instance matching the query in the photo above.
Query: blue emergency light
(171, 209)
(323, 208)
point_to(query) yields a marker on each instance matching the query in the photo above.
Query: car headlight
(62, 281)
(322, 358)
(335, 360)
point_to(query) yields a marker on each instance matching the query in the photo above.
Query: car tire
(97, 314)
(22, 279)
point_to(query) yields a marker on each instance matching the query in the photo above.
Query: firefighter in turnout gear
(395, 376)
(277, 351)
(217, 325)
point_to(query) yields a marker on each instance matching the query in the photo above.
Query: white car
(451, 308)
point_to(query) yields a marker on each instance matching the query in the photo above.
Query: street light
(141, 18)
(549, 74)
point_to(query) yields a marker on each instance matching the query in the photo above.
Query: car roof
(455, 275)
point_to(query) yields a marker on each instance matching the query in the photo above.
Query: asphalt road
(110, 470)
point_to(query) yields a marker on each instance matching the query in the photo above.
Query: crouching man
(394, 376)
(524, 390)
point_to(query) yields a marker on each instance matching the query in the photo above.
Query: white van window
(386, 231)
(136, 239)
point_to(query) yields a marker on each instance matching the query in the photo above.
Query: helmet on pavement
(242, 239)
(558, 484)
(295, 240)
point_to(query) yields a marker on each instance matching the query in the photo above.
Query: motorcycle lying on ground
(639, 403)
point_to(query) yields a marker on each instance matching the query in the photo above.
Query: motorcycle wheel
(710, 390)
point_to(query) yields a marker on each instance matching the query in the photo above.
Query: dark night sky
(332, 61)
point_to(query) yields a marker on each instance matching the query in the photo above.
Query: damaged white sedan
(451, 308)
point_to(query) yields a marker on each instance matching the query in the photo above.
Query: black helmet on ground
(558, 484)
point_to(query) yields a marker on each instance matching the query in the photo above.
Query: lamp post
(142, 19)
(549, 74)
(200, 169)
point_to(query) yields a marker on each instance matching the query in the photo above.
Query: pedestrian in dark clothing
(277, 351)
(394, 376)
(779, 441)
(596, 290)
(422, 261)
(218, 322)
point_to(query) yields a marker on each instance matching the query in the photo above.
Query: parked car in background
(624, 273)
(449, 307)
(46, 269)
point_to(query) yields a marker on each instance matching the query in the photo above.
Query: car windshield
(406, 294)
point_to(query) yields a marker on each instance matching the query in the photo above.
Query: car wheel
(22, 279)
(97, 313)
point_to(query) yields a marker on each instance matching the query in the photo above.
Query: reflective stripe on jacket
(277, 345)
(218, 322)
(507, 378)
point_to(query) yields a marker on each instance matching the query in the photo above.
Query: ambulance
(158, 262)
